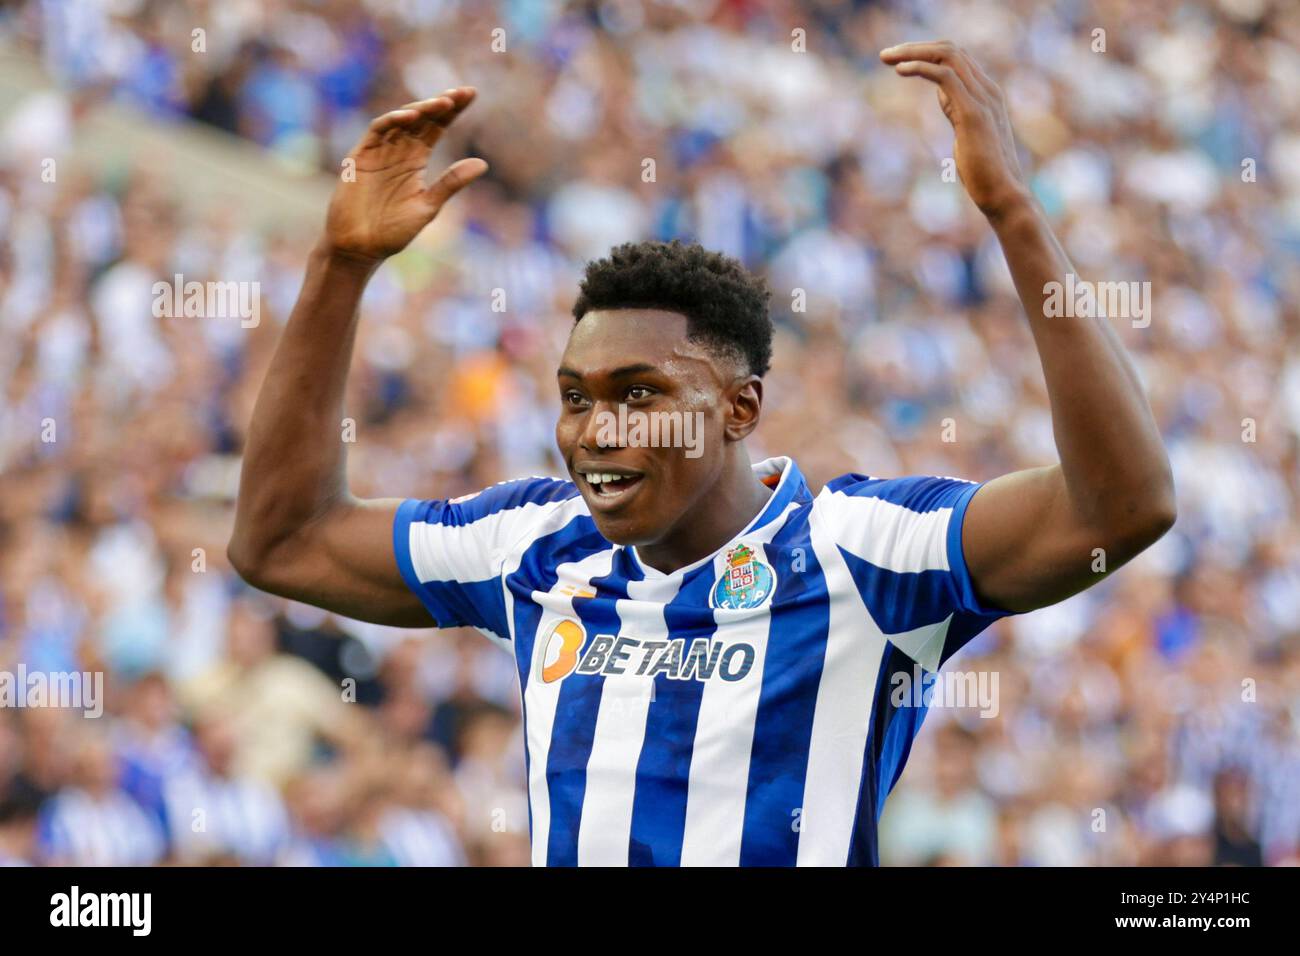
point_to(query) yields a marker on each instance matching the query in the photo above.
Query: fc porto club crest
(746, 582)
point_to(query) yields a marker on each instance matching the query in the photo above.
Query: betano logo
(559, 650)
(564, 650)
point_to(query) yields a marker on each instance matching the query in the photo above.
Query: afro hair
(725, 305)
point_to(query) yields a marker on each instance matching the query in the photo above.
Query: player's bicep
(344, 562)
(1025, 546)
(415, 562)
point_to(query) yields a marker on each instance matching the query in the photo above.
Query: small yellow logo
(558, 651)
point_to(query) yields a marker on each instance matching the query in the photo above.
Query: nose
(600, 427)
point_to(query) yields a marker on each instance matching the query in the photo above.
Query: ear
(744, 407)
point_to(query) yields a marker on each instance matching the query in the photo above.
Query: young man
(704, 646)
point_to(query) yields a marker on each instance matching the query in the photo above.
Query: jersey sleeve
(451, 552)
(901, 538)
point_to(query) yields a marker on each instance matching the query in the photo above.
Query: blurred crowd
(1151, 720)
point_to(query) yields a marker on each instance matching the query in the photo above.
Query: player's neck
(734, 502)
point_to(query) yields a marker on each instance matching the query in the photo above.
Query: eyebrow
(640, 368)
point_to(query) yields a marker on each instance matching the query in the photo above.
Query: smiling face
(643, 359)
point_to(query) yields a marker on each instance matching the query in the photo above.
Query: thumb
(453, 179)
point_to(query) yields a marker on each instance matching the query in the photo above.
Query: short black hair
(725, 305)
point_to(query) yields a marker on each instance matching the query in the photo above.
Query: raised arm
(298, 530)
(1029, 537)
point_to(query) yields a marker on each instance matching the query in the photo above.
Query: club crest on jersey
(746, 582)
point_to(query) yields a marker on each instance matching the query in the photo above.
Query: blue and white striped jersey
(736, 711)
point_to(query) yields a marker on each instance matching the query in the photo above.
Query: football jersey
(734, 712)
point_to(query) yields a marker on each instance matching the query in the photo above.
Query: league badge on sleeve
(745, 583)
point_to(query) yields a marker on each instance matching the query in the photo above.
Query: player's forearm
(294, 459)
(1112, 458)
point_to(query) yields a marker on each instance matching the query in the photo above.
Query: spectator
(92, 822)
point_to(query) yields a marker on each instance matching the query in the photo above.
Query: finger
(433, 106)
(434, 115)
(441, 111)
(943, 52)
(455, 178)
(451, 101)
(986, 83)
(932, 51)
(394, 119)
(462, 95)
(945, 77)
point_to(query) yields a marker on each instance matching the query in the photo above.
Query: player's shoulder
(906, 524)
(507, 496)
(920, 493)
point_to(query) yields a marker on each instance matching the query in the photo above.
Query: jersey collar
(790, 487)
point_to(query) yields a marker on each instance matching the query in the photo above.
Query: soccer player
(704, 645)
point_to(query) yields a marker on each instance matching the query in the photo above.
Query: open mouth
(609, 487)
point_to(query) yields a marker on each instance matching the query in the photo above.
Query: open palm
(383, 201)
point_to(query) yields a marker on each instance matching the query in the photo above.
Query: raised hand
(985, 149)
(387, 204)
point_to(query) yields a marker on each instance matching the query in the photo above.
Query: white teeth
(599, 478)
